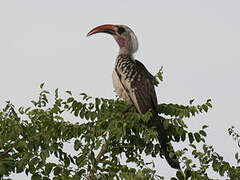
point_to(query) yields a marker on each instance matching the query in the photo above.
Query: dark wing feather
(140, 87)
(145, 91)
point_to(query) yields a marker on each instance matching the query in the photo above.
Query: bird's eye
(121, 30)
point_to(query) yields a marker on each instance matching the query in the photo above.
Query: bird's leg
(127, 109)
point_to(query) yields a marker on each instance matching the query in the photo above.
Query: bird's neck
(125, 51)
(124, 58)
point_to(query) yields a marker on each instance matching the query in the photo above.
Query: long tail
(165, 143)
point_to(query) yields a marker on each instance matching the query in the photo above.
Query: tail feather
(172, 159)
(166, 146)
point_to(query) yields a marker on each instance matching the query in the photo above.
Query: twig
(2, 154)
(100, 154)
(103, 148)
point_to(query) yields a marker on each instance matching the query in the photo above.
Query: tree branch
(103, 148)
(2, 154)
(100, 154)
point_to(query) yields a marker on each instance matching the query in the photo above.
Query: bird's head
(124, 36)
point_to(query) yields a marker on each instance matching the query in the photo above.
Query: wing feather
(140, 87)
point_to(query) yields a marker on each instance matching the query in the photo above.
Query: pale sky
(196, 42)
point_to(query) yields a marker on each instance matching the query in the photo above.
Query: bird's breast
(119, 89)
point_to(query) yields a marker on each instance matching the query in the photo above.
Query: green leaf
(165, 124)
(197, 137)
(56, 93)
(157, 148)
(191, 139)
(57, 170)
(203, 133)
(205, 107)
(187, 173)
(44, 154)
(191, 101)
(69, 92)
(46, 129)
(215, 165)
(71, 99)
(193, 146)
(48, 168)
(180, 121)
(82, 171)
(82, 114)
(36, 177)
(66, 161)
(46, 178)
(209, 102)
(41, 85)
(204, 126)
(236, 156)
(180, 175)
(222, 170)
(77, 145)
(183, 136)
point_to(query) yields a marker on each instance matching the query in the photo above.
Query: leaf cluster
(105, 140)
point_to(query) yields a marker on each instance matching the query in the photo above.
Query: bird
(135, 84)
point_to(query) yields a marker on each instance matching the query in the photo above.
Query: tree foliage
(103, 138)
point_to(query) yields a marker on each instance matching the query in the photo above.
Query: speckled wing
(138, 82)
(144, 95)
(138, 85)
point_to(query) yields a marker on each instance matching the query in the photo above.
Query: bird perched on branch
(133, 83)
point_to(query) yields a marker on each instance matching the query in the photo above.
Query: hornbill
(133, 83)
